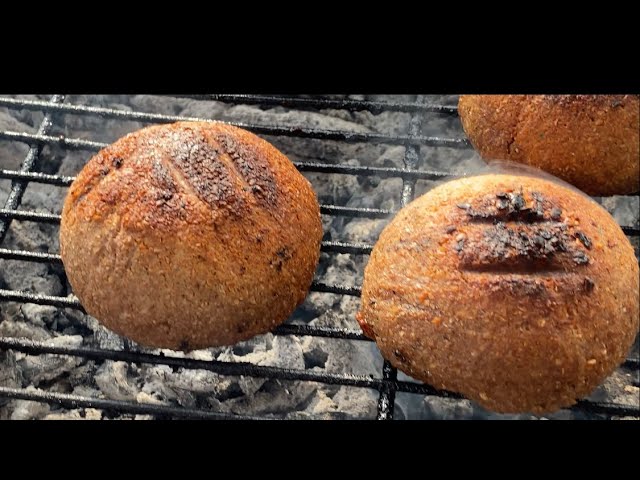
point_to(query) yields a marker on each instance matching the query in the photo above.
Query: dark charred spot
(117, 162)
(524, 248)
(184, 345)
(400, 356)
(518, 202)
(502, 204)
(580, 257)
(282, 255)
(538, 241)
(589, 284)
(104, 171)
(520, 285)
(459, 245)
(508, 206)
(162, 177)
(200, 170)
(242, 270)
(163, 197)
(251, 165)
(586, 241)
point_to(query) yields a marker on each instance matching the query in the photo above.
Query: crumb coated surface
(517, 292)
(590, 141)
(190, 235)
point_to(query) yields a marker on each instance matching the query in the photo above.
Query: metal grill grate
(387, 385)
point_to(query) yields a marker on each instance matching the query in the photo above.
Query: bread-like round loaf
(591, 141)
(190, 235)
(515, 291)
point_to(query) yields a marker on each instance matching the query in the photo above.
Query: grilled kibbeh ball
(590, 141)
(517, 292)
(190, 235)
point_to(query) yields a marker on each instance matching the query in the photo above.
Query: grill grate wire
(387, 386)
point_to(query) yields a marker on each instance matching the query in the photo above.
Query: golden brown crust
(515, 291)
(591, 141)
(190, 235)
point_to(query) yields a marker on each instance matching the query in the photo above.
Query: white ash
(203, 389)
(76, 414)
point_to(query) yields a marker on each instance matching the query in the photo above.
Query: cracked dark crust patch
(216, 164)
(251, 166)
(512, 206)
(525, 235)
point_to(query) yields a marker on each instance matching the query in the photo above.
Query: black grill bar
(631, 231)
(27, 256)
(63, 181)
(239, 368)
(334, 210)
(373, 171)
(300, 132)
(290, 329)
(387, 398)
(120, 406)
(327, 103)
(339, 289)
(302, 166)
(355, 211)
(38, 299)
(222, 368)
(325, 332)
(329, 247)
(29, 216)
(342, 247)
(60, 141)
(18, 186)
(28, 297)
(159, 411)
(37, 177)
(609, 409)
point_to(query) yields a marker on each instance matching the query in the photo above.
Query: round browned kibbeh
(515, 291)
(590, 141)
(190, 235)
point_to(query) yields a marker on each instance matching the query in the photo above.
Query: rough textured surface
(190, 235)
(515, 291)
(591, 141)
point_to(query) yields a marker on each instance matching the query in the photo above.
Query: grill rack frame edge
(387, 386)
